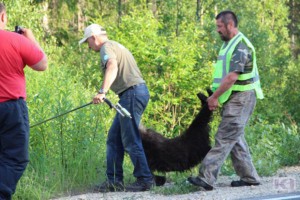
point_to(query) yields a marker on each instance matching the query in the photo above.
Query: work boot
(140, 185)
(241, 183)
(110, 187)
(199, 182)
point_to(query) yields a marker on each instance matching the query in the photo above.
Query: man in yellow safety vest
(236, 86)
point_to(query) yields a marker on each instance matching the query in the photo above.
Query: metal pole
(61, 114)
(122, 111)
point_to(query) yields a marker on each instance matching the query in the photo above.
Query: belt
(20, 98)
(129, 88)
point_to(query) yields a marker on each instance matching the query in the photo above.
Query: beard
(225, 36)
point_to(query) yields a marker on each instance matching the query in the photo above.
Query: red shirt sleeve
(30, 53)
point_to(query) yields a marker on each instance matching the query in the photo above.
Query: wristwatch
(101, 91)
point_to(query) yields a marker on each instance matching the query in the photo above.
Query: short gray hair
(2, 7)
(226, 16)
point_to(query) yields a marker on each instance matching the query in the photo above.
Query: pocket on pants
(140, 103)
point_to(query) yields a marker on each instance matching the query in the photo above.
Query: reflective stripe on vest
(222, 69)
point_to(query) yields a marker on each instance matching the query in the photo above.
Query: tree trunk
(119, 12)
(154, 8)
(178, 16)
(80, 16)
(45, 17)
(293, 27)
(198, 8)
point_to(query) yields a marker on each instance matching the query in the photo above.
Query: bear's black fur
(180, 153)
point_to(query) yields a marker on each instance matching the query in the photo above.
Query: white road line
(282, 198)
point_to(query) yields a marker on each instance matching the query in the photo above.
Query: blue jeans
(124, 136)
(14, 141)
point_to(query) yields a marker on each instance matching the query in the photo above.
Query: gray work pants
(230, 139)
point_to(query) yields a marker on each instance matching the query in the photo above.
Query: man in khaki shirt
(121, 75)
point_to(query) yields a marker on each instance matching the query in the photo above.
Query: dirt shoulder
(285, 181)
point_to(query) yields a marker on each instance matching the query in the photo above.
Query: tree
(294, 27)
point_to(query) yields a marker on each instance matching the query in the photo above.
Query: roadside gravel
(286, 180)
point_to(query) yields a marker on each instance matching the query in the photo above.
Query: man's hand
(212, 103)
(227, 82)
(28, 33)
(99, 98)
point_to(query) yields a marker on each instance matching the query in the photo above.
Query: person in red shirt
(16, 51)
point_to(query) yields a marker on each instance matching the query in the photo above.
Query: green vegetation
(175, 44)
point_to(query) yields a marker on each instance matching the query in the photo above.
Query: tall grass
(68, 152)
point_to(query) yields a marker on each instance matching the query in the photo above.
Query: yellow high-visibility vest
(221, 69)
